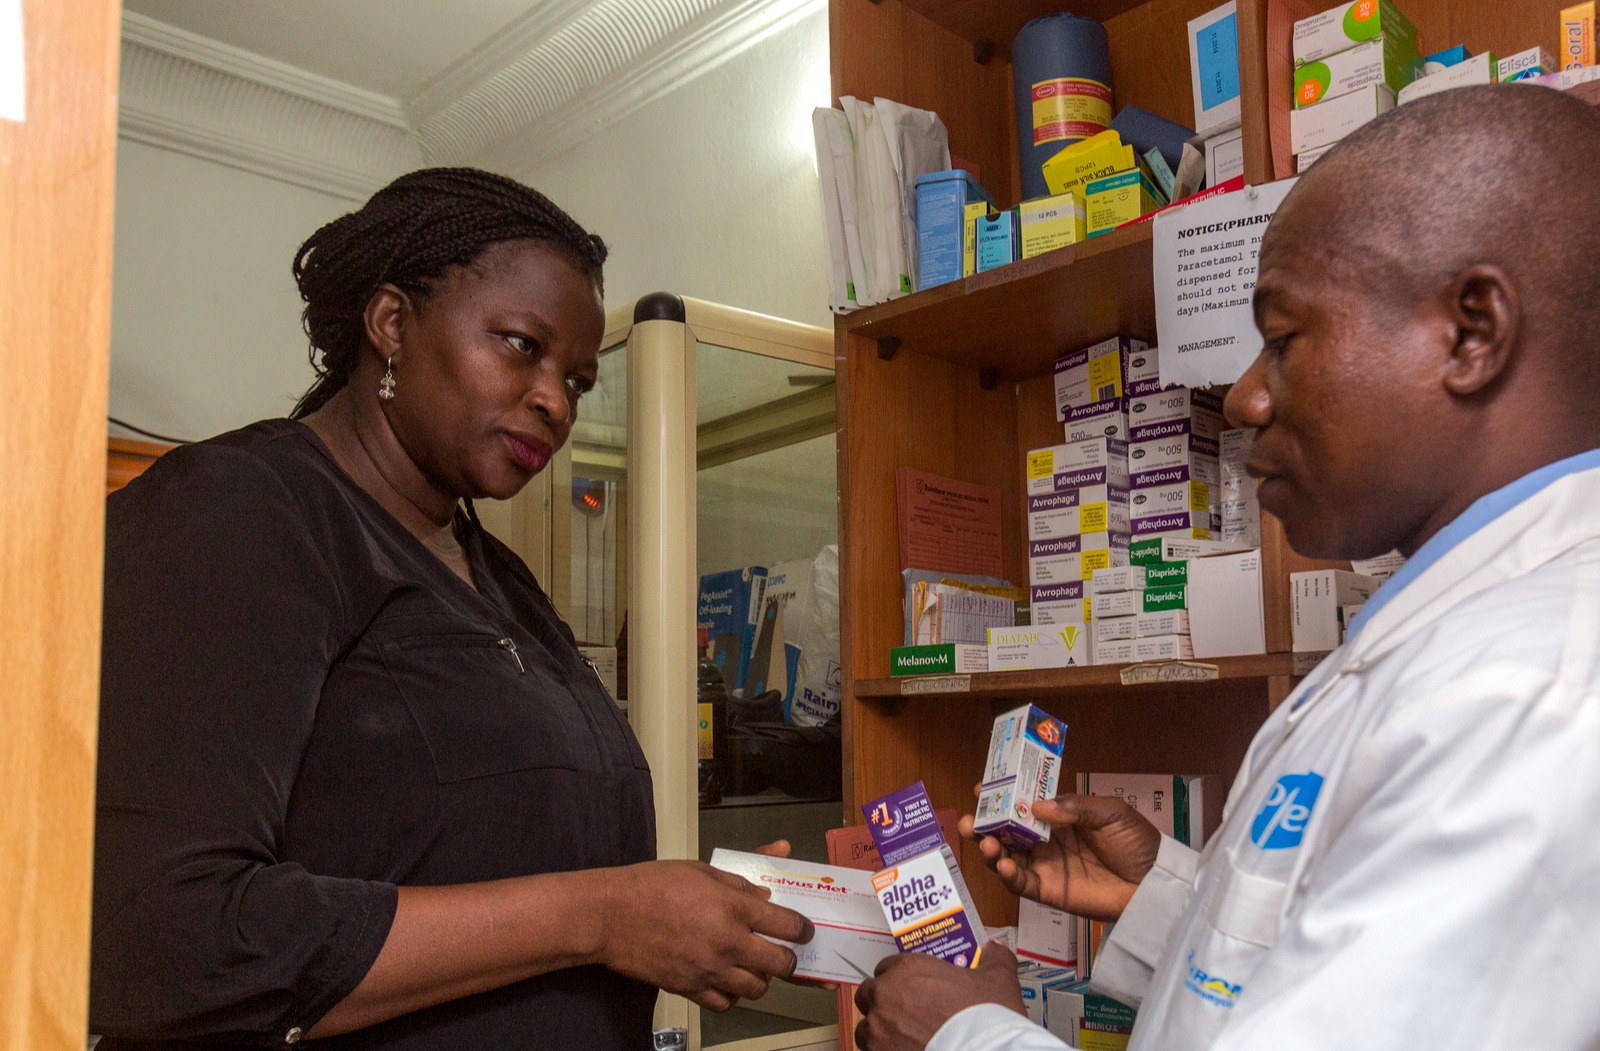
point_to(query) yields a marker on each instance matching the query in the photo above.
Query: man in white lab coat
(1409, 856)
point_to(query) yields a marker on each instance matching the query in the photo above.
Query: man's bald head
(1506, 175)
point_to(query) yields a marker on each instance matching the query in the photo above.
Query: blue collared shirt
(1483, 511)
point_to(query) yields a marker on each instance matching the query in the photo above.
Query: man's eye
(520, 344)
(579, 385)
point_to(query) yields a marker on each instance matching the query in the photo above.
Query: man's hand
(913, 995)
(694, 930)
(1099, 849)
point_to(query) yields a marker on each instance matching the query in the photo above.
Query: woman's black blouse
(303, 708)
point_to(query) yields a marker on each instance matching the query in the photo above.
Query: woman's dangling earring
(386, 385)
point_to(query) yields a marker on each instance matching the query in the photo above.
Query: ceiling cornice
(197, 96)
(554, 78)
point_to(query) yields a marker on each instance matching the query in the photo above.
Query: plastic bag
(819, 682)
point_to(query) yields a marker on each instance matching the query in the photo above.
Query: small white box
(1092, 374)
(1332, 121)
(1225, 604)
(1069, 558)
(1119, 604)
(1152, 454)
(1305, 160)
(1057, 646)
(1224, 156)
(1163, 648)
(1116, 578)
(1165, 499)
(1037, 981)
(1478, 69)
(1192, 522)
(1092, 509)
(1525, 65)
(1166, 622)
(1317, 597)
(1175, 403)
(1045, 935)
(1118, 651)
(1113, 629)
(1144, 366)
(1204, 423)
(852, 935)
(1197, 467)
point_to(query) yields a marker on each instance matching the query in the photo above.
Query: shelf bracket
(983, 50)
(888, 347)
(989, 377)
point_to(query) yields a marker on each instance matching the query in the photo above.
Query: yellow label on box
(1116, 200)
(1041, 463)
(1049, 223)
(703, 732)
(1577, 36)
(1069, 108)
(1092, 518)
(970, 215)
(1106, 371)
(1082, 163)
(1093, 560)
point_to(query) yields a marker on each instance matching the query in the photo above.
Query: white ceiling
(391, 47)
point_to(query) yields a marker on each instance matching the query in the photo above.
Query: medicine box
(1181, 496)
(1225, 605)
(1172, 547)
(1137, 603)
(1116, 578)
(1023, 767)
(969, 235)
(1036, 981)
(1115, 651)
(1200, 422)
(851, 936)
(1163, 622)
(1118, 199)
(1577, 36)
(1113, 629)
(1154, 454)
(1196, 467)
(1049, 467)
(940, 658)
(1074, 1013)
(1443, 59)
(1479, 69)
(1163, 648)
(1074, 557)
(1093, 509)
(998, 239)
(1100, 419)
(1175, 404)
(1165, 574)
(1347, 25)
(1195, 522)
(1307, 159)
(1093, 374)
(1045, 935)
(942, 200)
(1335, 119)
(921, 891)
(1214, 67)
(1224, 156)
(1063, 645)
(1525, 65)
(1053, 604)
(1048, 223)
(1079, 164)
(1144, 367)
(1390, 60)
(1316, 597)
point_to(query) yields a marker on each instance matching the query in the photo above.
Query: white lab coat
(1442, 889)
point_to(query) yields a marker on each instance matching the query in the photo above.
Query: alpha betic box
(1024, 766)
(921, 891)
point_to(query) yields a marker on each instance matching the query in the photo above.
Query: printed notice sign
(1205, 271)
(946, 525)
(13, 79)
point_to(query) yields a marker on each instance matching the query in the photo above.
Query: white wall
(711, 191)
(205, 319)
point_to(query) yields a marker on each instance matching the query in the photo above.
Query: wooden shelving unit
(957, 380)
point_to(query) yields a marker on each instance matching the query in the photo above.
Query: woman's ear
(1487, 312)
(384, 319)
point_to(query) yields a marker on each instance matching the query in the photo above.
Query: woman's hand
(696, 931)
(1098, 852)
(913, 995)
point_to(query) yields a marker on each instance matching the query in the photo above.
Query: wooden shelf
(1058, 683)
(997, 21)
(1019, 318)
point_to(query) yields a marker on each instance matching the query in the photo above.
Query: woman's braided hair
(407, 235)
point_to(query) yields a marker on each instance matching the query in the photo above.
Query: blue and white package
(1024, 766)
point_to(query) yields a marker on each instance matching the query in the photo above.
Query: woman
(356, 780)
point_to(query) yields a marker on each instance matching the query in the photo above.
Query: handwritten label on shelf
(1205, 273)
(1306, 663)
(936, 684)
(1169, 671)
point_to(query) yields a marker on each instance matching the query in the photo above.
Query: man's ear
(1486, 312)
(384, 319)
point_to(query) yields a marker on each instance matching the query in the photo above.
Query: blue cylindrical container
(1061, 77)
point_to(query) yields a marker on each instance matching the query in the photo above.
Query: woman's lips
(530, 453)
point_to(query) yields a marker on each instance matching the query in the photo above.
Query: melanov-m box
(851, 934)
(1023, 767)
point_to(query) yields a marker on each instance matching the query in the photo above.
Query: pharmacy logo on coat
(1281, 822)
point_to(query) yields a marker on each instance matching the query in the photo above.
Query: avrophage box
(851, 933)
(1058, 467)
(1092, 509)
(1023, 767)
(921, 891)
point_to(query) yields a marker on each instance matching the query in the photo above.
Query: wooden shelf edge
(1056, 681)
